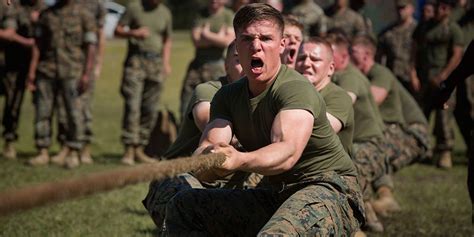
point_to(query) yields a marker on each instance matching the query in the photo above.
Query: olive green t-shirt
(437, 40)
(189, 134)
(158, 21)
(252, 120)
(216, 21)
(339, 105)
(367, 120)
(412, 112)
(391, 108)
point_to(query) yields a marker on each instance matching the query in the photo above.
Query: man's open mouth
(256, 63)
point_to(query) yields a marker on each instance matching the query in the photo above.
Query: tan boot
(386, 203)
(60, 158)
(129, 156)
(372, 223)
(445, 161)
(360, 233)
(72, 159)
(86, 157)
(41, 159)
(9, 151)
(141, 156)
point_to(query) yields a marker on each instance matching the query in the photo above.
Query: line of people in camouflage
(313, 114)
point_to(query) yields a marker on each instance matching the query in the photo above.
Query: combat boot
(72, 159)
(372, 224)
(41, 159)
(86, 157)
(445, 161)
(60, 158)
(141, 156)
(386, 203)
(129, 156)
(9, 151)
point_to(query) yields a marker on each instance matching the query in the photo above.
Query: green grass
(434, 202)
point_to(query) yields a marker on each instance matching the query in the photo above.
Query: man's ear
(282, 44)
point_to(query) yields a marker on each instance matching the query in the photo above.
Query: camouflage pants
(47, 89)
(372, 163)
(161, 192)
(198, 73)
(14, 86)
(418, 142)
(443, 129)
(86, 111)
(141, 88)
(330, 205)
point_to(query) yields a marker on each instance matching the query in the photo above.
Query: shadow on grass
(149, 231)
(135, 211)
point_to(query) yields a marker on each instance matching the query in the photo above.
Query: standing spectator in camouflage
(211, 34)
(293, 34)
(97, 8)
(19, 20)
(311, 16)
(394, 45)
(343, 17)
(370, 151)
(145, 68)
(62, 60)
(281, 121)
(442, 45)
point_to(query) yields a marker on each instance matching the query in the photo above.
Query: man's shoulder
(379, 70)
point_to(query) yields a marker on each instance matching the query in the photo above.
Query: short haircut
(365, 41)
(257, 12)
(290, 20)
(338, 39)
(321, 41)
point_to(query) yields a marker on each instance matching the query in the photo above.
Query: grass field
(435, 202)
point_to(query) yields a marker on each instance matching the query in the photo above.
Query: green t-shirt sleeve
(219, 106)
(349, 85)
(458, 37)
(204, 92)
(382, 78)
(299, 95)
(339, 105)
(10, 22)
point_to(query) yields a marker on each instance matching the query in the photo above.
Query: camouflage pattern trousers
(199, 72)
(328, 205)
(14, 86)
(141, 88)
(404, 147)
(443, 128)
(86, 114)
(372, 163)
(161, 192)
(47, 89)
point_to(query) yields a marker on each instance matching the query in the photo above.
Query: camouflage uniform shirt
(62, 32)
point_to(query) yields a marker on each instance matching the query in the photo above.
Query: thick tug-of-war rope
(29, 197)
